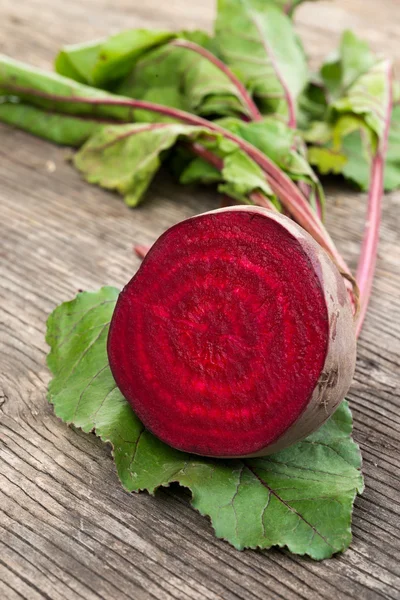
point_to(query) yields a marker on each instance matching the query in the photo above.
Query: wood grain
(68, 530)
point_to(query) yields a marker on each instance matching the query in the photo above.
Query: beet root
(235, 337)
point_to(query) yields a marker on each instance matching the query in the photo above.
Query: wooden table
(68, 530)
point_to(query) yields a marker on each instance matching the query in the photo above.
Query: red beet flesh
(219, 341)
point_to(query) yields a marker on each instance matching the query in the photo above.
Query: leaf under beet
(301, 497)
(235, 337)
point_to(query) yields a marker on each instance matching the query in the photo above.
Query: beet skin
(235, 337)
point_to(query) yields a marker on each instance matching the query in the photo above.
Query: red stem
(280, 183)
(287, 8)
(288, 193)
(243, 93)
(369, 248)
(318, 207)
(261, 200)
(306, 190)
(292, 198)
(248, 101)
(207, 155)
(141, 251)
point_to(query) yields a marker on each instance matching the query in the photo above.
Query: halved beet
(235, 337)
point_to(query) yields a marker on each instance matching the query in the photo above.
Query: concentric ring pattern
(219, 340)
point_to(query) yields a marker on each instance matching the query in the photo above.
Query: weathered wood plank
(68, 530)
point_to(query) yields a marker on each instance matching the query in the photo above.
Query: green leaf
(258, 41)
(355, 160)
(61, 129)
(56, 93)
(301, 497)
(367, 97)
(199, 37)
(331, 152)
(29, 84)
(313, 105)
(276, 140)
(141, 64)
(199, 171)
(356, 58)
(105, 61)
(357, 166)
(319, 132)
(126, 158)
(356, 87)
(348, 151)
(241, 177)
(356, 83)
(183, 79)
(327, 160)
(344, 67)
(120, 157)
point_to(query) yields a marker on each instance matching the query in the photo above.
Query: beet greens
(258, 76)
(235, 338)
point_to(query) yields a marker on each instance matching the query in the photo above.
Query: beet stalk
(235, 337)
(369, 249)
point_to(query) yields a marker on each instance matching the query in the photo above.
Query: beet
(235, 337)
